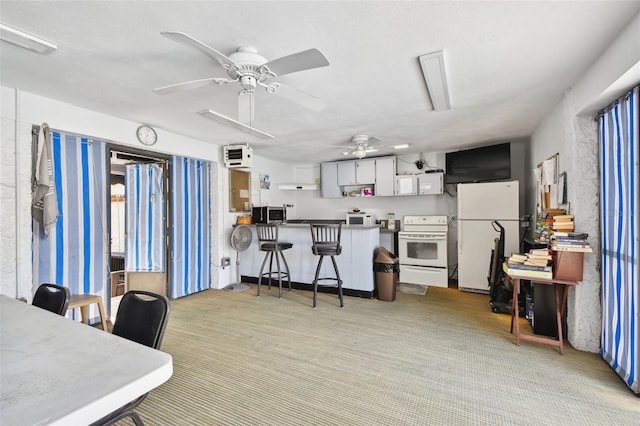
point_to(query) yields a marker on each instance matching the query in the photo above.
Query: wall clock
(146, 135)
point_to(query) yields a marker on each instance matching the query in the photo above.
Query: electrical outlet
(226, 261)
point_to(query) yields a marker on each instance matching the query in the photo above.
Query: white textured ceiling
(507, 65)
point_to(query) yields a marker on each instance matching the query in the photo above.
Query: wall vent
(236, 156)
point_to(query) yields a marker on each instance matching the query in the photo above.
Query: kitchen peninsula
(355, 263)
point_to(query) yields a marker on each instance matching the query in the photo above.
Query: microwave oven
(268, 214)
(361, 219)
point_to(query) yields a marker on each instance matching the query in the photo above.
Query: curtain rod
(613, 104)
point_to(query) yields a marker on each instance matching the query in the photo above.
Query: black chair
(326, 242)
(53, 298)
(269, 243)
(142, 317)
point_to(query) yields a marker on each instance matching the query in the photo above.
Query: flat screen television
(482, 164)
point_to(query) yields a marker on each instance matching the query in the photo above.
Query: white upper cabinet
(329, 179)
(356, 172)
(376, 173)
(385, 176)
(406, 185)
(365, 171)
(431, 183)
(346, 173)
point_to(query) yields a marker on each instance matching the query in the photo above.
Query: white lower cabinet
(355, 263)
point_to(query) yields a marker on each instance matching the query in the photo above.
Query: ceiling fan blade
(246, 108)
(236, 124)
(372, 139)
(193, 84)
(301, 98)
(305, 60)
(187, 40)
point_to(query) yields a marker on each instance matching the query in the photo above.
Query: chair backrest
(326, 237)
(267, 233)
(142, 317)
(52, 297)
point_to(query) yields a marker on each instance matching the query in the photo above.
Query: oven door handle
(443, 238)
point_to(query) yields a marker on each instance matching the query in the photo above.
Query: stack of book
(544, 225)
(562, 223)
(535, 264)
(570, 241)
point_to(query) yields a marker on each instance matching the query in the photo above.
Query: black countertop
(319, 221)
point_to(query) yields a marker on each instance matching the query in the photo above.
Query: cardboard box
(567, 265)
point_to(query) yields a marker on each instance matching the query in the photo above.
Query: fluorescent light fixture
(28, 41)
(233, 123)
(400, 146)
(434, 74)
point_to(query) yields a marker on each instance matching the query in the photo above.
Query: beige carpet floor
(436, 359)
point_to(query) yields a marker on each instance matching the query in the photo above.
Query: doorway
(138, 225)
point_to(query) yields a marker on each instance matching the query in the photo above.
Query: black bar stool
(326, 242)
(269, 243)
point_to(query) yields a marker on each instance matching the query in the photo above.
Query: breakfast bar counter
(355, 263)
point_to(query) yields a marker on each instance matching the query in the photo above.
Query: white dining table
(55, 371)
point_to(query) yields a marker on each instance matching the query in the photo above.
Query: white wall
(570, 130)
(19, 112)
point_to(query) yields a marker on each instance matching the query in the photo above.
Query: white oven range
(422, 247)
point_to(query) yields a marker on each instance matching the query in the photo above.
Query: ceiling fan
(248, 68)
(361, 146)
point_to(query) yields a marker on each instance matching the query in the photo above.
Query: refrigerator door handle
(460, 234)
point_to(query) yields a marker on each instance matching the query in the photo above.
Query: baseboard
(321, 289)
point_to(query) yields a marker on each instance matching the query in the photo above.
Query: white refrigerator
(478, 205)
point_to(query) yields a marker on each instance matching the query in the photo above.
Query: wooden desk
(82, 301)
(561, 304)
(57, 371)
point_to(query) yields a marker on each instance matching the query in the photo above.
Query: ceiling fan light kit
(435, 76)
(26, 40)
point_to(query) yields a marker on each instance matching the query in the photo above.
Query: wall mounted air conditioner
(238, 156)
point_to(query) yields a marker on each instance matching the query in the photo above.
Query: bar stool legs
(278, 272)
(317, 278)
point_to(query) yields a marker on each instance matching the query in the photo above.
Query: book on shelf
(539, 252)
(571, 235)
(572, 244)
(536, 262)
(574, 249)
(563, 218)
(539, 257)
(563, 226)
(524, 273)
(517, 258)
(570, 239)
(555, 212)
(531, 256)
(519, 266)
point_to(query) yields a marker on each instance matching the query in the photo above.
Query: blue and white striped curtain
(75, 254)
(620, 241)
(144, 217)
(190, 224)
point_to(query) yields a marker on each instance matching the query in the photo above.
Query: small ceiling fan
(361, 146)
(248, 68)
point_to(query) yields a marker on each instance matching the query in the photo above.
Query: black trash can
(386, 266)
